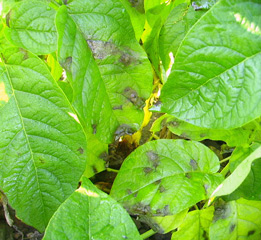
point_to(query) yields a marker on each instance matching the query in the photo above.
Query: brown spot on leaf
(94, 169)
(203, 135)
(166, 210)
(41, 160)
(103, 156)
(117, 107)
(162, 189)
(187, 175)
(25, 53)
(129, 192)
(206, 187)
(221, 212)
(140, 208)
(8, 16)
(133, 97)
(94, 128)
(251, 233)
(67, 63)
(125, 59)
(80, 150)
(135, 194)
(157, 182)
(232, 227)
(147, 170)
(193, 164)
(173, 123)
(153, 157)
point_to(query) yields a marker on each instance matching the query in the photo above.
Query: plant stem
(224, 160)
(147, 234)
(225, 170)
(112, 170)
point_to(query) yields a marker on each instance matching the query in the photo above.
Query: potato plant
(79, 75)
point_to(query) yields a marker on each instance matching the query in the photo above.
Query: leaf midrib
(28, 144)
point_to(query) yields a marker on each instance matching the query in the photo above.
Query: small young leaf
(164, 177)
(31, 26)
(239, 219)
(91, 214)
(231, 183)
(195, 226)
(215, 80)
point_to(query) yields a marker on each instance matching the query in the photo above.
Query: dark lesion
(131, 95)
(80, 150)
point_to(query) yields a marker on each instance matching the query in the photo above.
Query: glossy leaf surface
(43, 147)
(91, 214)
(164, 177)
(31, 26)
(216, 70)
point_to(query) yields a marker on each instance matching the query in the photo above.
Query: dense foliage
(77, 75)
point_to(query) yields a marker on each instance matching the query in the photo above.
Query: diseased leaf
(233, 137)
(231, 183)
(91, 214)
(123, 64)
(215, 80)
(239, 219)
(90, 98)
(42, 147)
(195, 226)
(30, 25)
(165, 177)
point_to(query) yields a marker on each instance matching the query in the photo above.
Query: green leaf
(239, 219)
(97, 152)
(231, 183)
(135, 10)
(233, 137)
(30, 25)
(250, 187)
(43, 147)
(164, 224)
(91, 214)
(164, 177)
(90, 98)
(123, 63)
(215, 80)
(178, 23)
(195, 226)
(155, 17)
